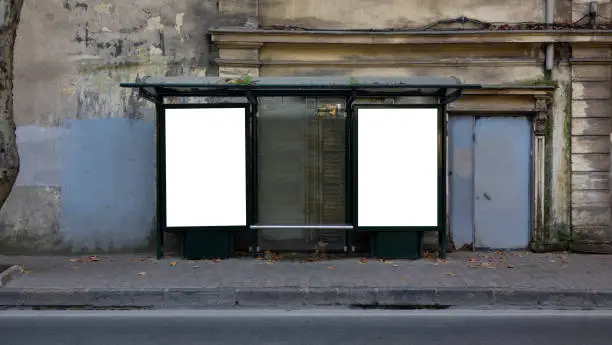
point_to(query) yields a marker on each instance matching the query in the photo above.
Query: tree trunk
(10, 11)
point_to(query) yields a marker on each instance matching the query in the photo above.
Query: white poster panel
(205, 167)
(397, 162)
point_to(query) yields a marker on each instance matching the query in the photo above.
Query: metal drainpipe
(550, 49)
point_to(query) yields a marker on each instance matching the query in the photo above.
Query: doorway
(490, 174)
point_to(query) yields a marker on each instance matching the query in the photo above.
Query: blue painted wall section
(39, 152)
(108, 184)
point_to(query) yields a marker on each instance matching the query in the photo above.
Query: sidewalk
(466, 279)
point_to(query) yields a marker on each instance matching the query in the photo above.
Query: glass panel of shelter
(301, 174)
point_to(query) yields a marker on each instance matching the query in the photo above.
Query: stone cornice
(242, 36)
(492, 62)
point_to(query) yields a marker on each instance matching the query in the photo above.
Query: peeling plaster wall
(87, 178)
(80, 135)
(381, 14)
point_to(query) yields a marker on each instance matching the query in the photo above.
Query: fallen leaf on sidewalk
(172, 264)
(217, 260)
(552, 260)
(138, 259)
(87, 259)
(142, 273)
(195, 266)
(473, 260)
(509, 266)
(395, 265)
(27, 272)
(363, 261)
(439, 262)
(403, 277)
(331, 266)
(487, 265)
(451, 274)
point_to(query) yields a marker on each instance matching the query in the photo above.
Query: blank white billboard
(205, 167)
(397, 167)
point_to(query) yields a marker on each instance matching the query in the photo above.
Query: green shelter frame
(164, 91)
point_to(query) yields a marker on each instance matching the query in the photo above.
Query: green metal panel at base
(207, 244)
(397, 244)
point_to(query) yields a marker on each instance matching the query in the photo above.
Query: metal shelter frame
(443, 90)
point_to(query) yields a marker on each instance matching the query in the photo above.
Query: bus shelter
(395, 184)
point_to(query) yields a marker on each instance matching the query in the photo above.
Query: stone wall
(385, 14)
(591, 147)
(87, 147)
(87, 180)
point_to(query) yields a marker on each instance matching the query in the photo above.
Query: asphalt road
(315, 327)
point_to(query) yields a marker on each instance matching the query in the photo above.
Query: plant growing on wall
(10, 13)
(242, 80)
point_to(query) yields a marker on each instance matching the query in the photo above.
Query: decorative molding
(239, 45)
(590, 61)
(543, 109)
(382, 63)
(225, 35)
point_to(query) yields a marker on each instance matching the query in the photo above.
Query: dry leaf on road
(195, 266)
(142, 273)
(331, 266)
(403, 277)
(363, 261)
(217, 260)
(451, 274)
(172, 264)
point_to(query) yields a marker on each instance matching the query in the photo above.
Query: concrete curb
(197, 298)
(9, 274)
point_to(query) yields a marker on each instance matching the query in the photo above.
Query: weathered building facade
(529, 154)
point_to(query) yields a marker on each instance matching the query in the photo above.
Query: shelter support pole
(252, 204)
(348, 174)
(442, 181)
(160, 147)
